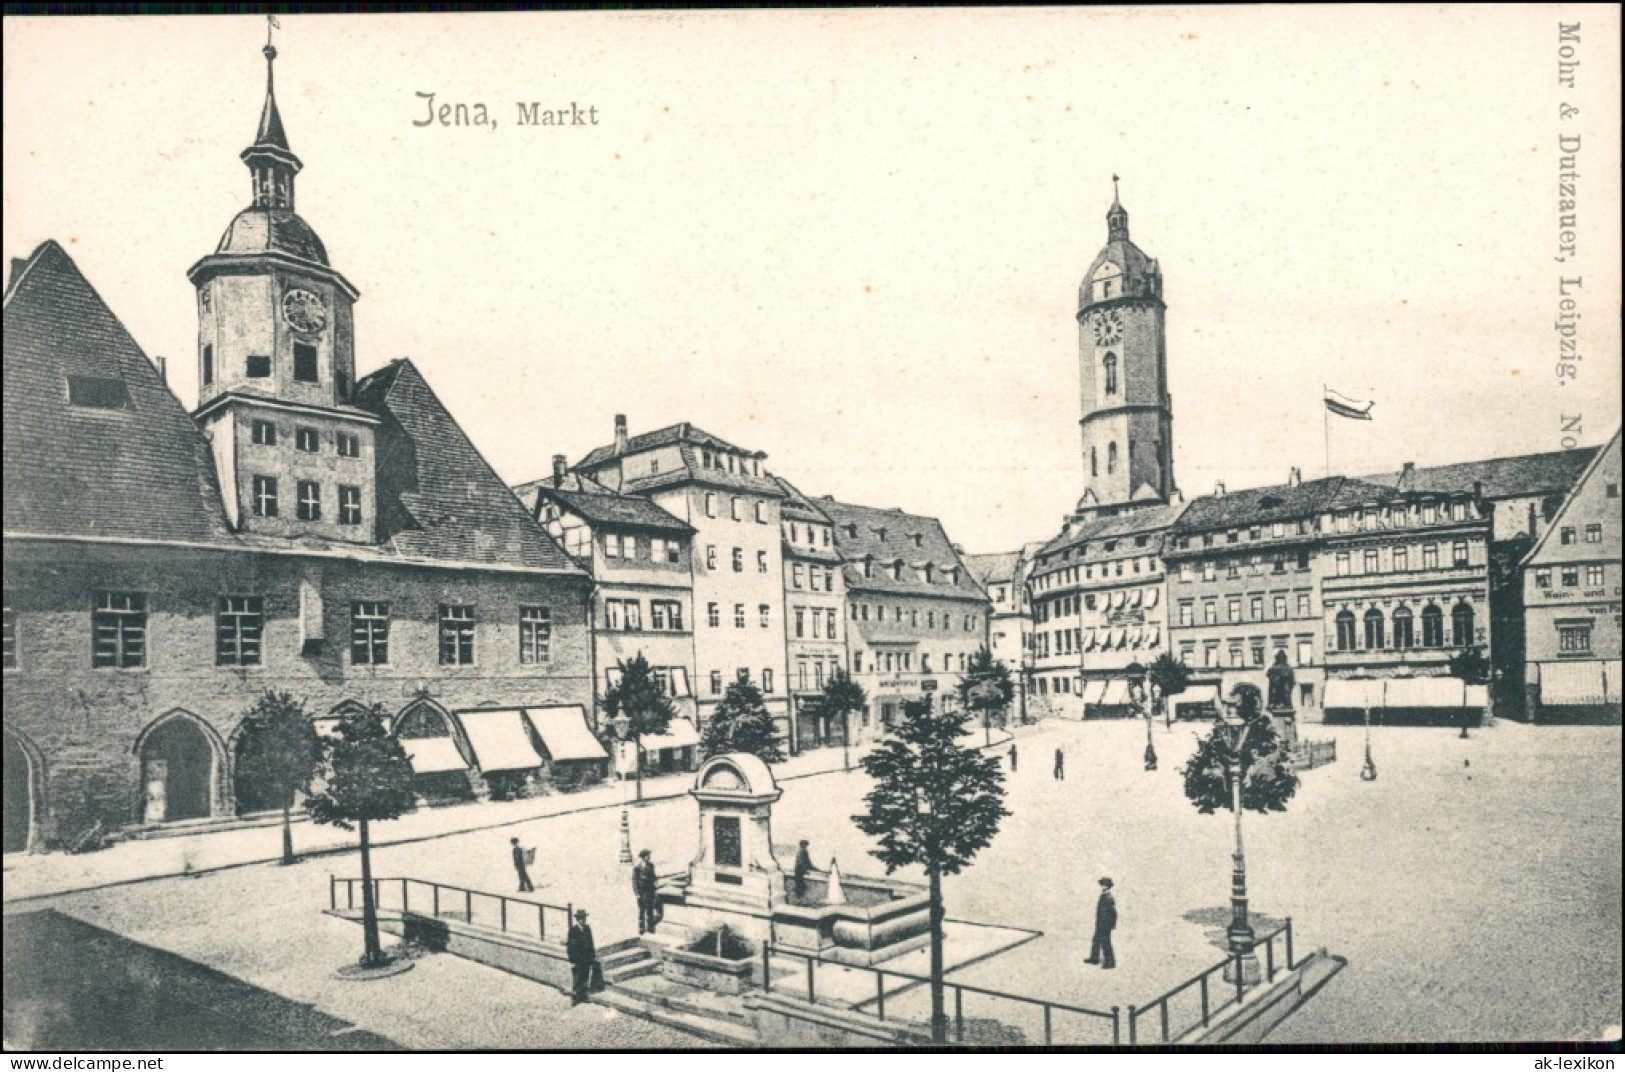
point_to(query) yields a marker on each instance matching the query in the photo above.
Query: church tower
(276, 362)
(1123, 372)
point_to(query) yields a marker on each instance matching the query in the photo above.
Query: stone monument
(1282, 682)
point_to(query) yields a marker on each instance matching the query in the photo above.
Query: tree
(367, 779)
(1267, 778)
(279, 753)
(986, 689)
(741, 723)
(841, 698)
(935, 804)
(643, 700)
(1170, 676)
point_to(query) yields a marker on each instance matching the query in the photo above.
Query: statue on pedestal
(1282, 681)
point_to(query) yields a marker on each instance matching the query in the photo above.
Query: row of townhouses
(340, 538)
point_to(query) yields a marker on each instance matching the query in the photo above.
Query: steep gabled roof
(662, 437)
(1598, 459)
(1150, 520)
(1552, 472)
(994, 569)
(796, 506)
(889, 536)
(1280, 502)
(608, 508)
(139, 470)
(437, 495)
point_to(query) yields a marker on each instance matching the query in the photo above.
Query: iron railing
(887, 985)
(1312, 754)
(1228, 994)
(494, 911)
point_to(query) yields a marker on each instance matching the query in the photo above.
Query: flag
(1347, 407)
(273, 21)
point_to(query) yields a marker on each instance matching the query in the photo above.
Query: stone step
(692, 1002)
(624, 958)
(722, 1032)
(622, 972)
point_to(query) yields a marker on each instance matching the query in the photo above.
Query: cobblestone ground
(1474, 889)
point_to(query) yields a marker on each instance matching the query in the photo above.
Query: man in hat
(1100, 950)
(643, 887)
(804, 864)
(583, 955)
(520, 856)
(1060, 765)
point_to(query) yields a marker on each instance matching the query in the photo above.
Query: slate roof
(438, 497)
(796, 506)
(690, 441)
(1280, 502)
(1092, 536)
(897, 543)
(600, 506)
(140, 472)
(661, 437)
(994, 569)
(1502, 478)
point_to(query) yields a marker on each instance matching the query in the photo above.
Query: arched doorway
(22, 794)
(178, 774)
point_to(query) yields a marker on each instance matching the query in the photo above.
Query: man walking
(804, 864)
(583, 955)
(643, 887)
(1012, 759)
(1060, 765)
(1100, 950)
(521, 858)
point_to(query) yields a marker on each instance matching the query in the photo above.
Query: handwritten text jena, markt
(532, 114)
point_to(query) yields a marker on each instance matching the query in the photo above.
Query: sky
(853, 239)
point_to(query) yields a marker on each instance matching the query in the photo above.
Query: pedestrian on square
(804, 864)
(583, 955)
(643, 887)
(1012, 759)
(1060, 765)
(1100, 949)
(522, 858)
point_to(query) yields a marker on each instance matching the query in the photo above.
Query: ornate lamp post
(622, 725)
(1240, 932)
(1148, 707)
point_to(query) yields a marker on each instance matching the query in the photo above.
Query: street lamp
(622, 725)
(1240, 931)
(1368, 771)
(1148, 707)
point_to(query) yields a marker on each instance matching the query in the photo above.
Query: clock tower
(1123, 372)
(276, 362)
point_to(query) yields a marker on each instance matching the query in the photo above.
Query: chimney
(1218, 490)
(1295, 478)
(1478, 489)
(620, 433)
(558, 470)
(1533, 528)
(1407, 476)
(159, 363)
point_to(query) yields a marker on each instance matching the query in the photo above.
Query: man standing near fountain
(804, 864)
(583, 955)
(1105, 921)
(643, 886)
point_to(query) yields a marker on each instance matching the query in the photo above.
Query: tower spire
(269, 159)
(1116, 218)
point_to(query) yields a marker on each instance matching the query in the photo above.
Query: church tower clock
(276, 362)
(1123, 372)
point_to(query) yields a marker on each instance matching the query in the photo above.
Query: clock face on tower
(1108, 327)
(304, 311)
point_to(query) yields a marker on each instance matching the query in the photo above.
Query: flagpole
(1326, 428)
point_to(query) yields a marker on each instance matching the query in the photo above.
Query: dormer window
(897, 570)
(852, 531)
(919, 541)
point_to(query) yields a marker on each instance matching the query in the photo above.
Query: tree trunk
(287, 831)
(939, 1016)
(374, 955)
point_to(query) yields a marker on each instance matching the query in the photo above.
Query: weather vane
(270, 24)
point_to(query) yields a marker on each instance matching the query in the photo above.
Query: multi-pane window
(797, 574)
(614, 615)
(767, 680)
(710, 556)
(349, 505)
(1186, 612)
(800, 622)
(1571, 576)
(1234, 608)
(1566, 534)
(1371, 560)
(10, 635)
(1593, 534)
(739, 560)
(1345, 630)
(1404, 633)
(829, 623)
(761, 561)
(764, 612)
(118, 626)
(1401, 559)
(307, 440)
(1342, 563)
(739, 616)
(1303, 604)
(716, 683)
(1430, 556)
(349, 445)
(265, 496)
(535, 634)
(1574, 636)
(666, 614)
(263, 433)
(1458, 553)
(304, 362)
(713, 615)
(456, 635)
(369, 634)
(239, 628)
(1461, 625)
(310, 501)
(612, 545)
(1279, 606)
(1375, 629)
(1210, 612)
(1432, 627)
(1593, 576)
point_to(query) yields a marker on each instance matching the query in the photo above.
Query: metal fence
(975, 1015)
(1311, 754)
(1198, 999)
(491, 911)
